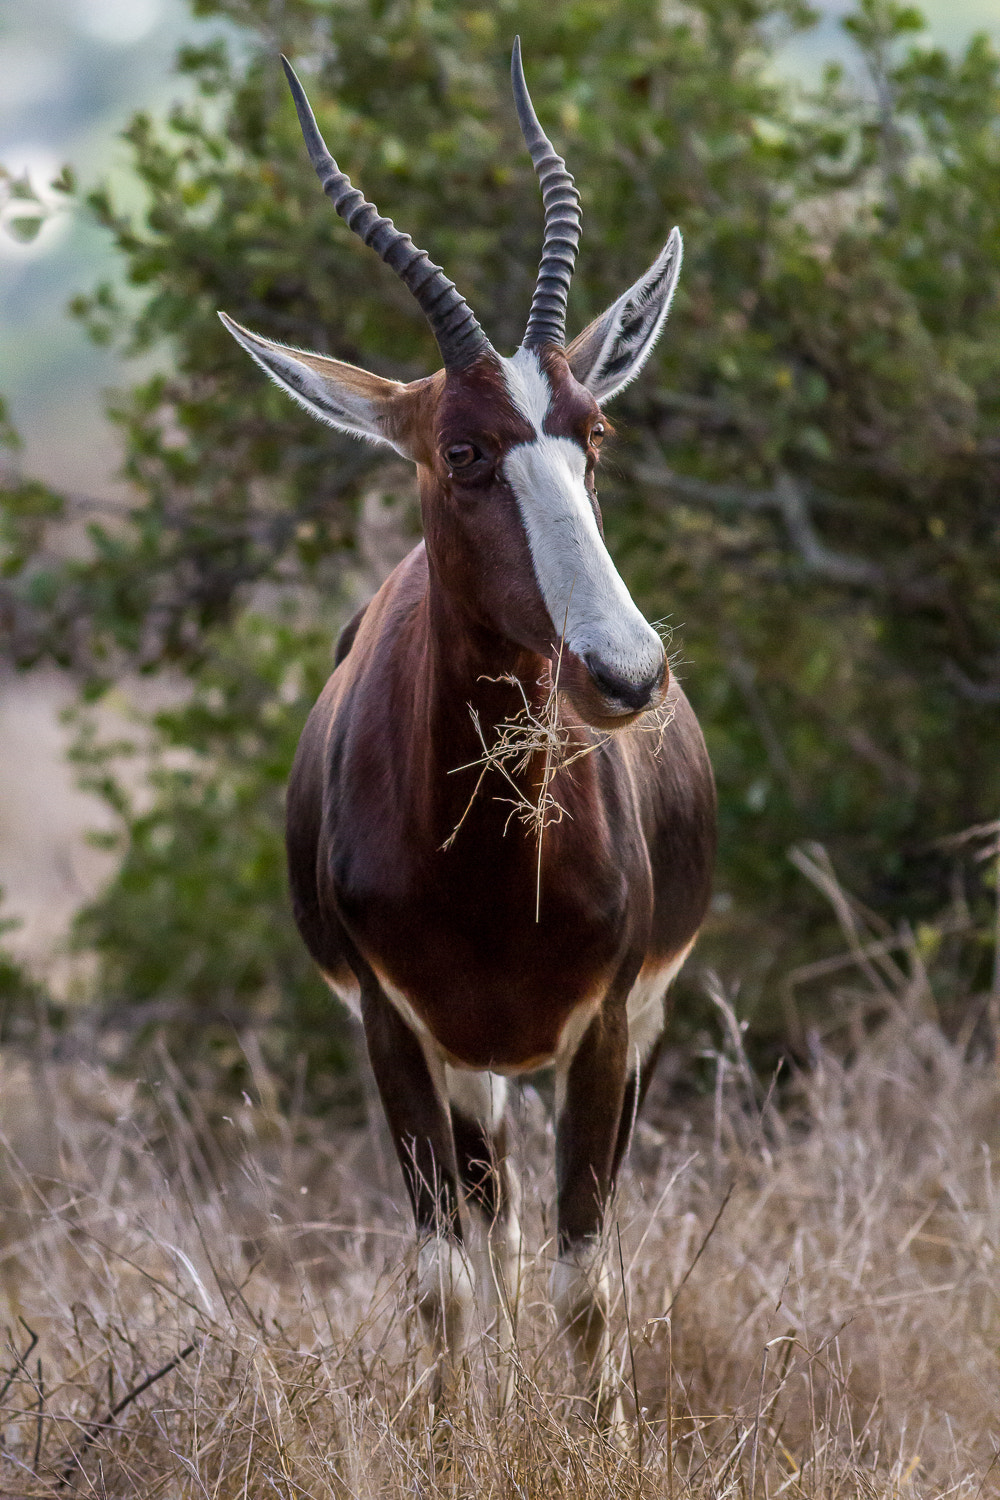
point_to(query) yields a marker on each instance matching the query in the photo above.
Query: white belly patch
(645, 1005)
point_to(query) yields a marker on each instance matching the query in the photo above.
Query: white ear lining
(624, 335)
(321, 395)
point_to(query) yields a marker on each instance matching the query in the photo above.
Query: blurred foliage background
(804, 484)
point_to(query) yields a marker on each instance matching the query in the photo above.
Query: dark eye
(597, 434)
(461, 455)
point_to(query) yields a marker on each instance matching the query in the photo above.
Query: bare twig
(821, 968)
(817, 556)
(20, 1360)
(814, 863)
(631, 1355)
(40, 1420)
(983, 693)
(94, 1428)
(792, 500)
(978, 832)
(700, 1250)
(707, 491)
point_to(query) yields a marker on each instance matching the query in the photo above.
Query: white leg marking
(644, 1008)
(446, 1293)
(570, 1038)
(446, 1298)
(581, 1293)
(581, 1284)
(482, 1097)
(347, 993)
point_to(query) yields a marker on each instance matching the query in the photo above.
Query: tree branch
(729, 496)
(838, 567)
(975, 692)
(787, 499)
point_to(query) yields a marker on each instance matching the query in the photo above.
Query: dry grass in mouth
(528, 734)
(532, 733)
(196, 1307)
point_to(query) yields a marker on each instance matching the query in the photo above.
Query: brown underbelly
(511, 1031)
(493, 986)
(504, 1029)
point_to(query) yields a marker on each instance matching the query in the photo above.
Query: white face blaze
(581, 587)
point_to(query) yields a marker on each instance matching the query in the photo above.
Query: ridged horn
(547, 319)
(459, 336)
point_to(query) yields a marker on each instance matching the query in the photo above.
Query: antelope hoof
(446, 1299)
(581, 1288)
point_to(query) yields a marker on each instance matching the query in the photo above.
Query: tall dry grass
(809, 1298)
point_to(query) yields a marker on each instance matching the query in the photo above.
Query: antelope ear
(359, 403)
(612, 351)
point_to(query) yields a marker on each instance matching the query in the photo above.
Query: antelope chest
(464, 953)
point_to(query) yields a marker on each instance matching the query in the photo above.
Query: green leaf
(23, 228)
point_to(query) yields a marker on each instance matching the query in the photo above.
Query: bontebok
(502, 666)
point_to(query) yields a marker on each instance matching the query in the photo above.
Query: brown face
(514, 530)
(471, 519)
(506, 448)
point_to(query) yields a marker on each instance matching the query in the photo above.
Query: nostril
(626, 691)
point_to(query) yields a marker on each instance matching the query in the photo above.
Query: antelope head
(507, 447)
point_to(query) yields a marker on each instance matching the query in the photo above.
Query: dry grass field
(223, 1308)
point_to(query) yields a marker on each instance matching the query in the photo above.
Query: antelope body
(473, 947)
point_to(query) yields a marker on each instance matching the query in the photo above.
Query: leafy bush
(19, 993)
(194, 933)
(804, 481)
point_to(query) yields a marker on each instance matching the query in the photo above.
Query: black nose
(624, 690)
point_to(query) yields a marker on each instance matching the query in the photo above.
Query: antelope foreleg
(478, 1101)
(589, 1098)
(411, 1084)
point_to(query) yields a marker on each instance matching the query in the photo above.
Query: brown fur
(376, 793)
